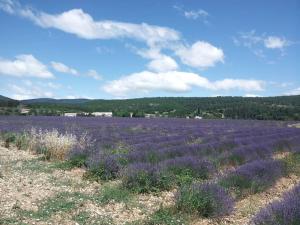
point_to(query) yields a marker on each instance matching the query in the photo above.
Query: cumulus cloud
(62, 68)
(77, 22)
(201, 54)
(174, 81)
(159, 62)
(94, 74)
(29, 91)
(162, 64)
(24, 66)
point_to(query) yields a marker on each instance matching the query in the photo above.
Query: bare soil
(33, 191)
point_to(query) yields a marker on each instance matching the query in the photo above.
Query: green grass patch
(84, 218)
(166, 216)
(11, 221)
(39, 165)
(63, 202)
(114, 193)
(292, 164)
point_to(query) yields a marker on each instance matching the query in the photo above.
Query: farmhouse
(148, 115)
(103, 114)
(70, 114)
(24, 111)
(198, 117)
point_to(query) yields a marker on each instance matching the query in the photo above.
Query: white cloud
(258, 43)
(252, 95)
(295, 91)
(24, 66)
(201, 55)
(275, 42)
(62, 68)
(174, 81)
(162, 64)
(159, 62)
(77, 22)
(193, 14)
(196, 14)
(28, 92)
(81, 24)
(94, 74)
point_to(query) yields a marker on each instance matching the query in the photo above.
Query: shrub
(51, 144)
(8, 138)
(188, 164)
(106, 168)
(78, 160)
(187, 168)
(114, 193)
(145, 177)
(22, 141)
(284, 212)
(207, 199)
(253, 177)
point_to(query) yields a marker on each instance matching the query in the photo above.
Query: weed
(166, 216)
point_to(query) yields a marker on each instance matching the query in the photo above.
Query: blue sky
(139, 48)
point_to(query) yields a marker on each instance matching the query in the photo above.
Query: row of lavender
(157, 154)
(156, 141)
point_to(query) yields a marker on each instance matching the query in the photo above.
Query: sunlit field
(208, 169)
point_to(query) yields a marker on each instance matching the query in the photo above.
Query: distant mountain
(55, 101)
(7, 102)
(263, 108)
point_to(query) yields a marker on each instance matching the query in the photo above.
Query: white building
(198, 117)
(148, 115)
(70, 114)
(103, 114)
(24, 111)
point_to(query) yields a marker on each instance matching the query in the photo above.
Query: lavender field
(211, 164)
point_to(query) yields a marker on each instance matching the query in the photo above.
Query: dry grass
(51, 143)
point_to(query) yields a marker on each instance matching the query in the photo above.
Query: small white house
(70, 114)
(148, 115)
(103, 114)
(198, 117)
(24, 111)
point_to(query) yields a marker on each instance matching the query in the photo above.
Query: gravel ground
(33, 191)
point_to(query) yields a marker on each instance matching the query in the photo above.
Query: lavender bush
(253, 177)
(106, 168)
(283, 212)
(208, 200)
(145, 177)
(170, 146)
(188, 168)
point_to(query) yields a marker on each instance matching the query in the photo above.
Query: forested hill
(273, 108)
(7, 102)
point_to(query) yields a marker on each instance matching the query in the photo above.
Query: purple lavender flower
(207, 199)
(253, 177)
(282, 212)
